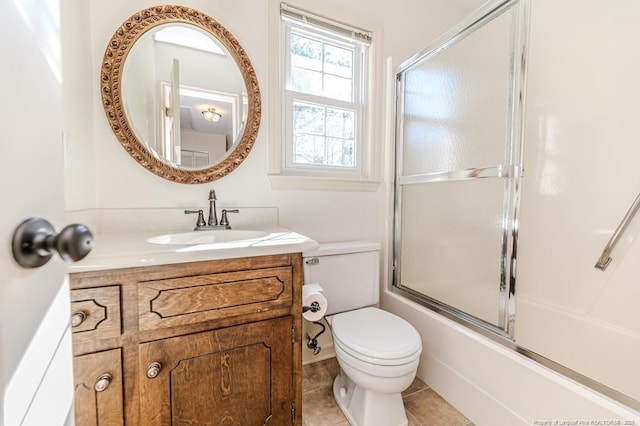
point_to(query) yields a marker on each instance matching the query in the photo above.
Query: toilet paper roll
(311, 293)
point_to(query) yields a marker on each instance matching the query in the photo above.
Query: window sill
(315, 183)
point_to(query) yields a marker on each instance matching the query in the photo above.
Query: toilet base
(363, 407)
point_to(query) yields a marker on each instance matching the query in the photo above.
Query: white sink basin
(207, 237)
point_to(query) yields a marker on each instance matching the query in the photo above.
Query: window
(324, 95)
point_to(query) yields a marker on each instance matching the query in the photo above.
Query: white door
(170, 92)
(35, 348)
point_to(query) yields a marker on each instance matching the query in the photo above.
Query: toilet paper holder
(314, 307)
(312, 342)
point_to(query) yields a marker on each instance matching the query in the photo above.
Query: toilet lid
(376, 336)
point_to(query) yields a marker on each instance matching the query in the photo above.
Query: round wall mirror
(180, 94)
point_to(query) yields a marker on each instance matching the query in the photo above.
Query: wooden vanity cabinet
(203, 343)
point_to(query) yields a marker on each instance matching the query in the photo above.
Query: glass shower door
(458, 168)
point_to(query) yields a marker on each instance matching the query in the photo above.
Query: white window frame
(357, 104)
(284, 173)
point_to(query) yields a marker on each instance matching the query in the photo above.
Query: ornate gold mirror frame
(112, 99)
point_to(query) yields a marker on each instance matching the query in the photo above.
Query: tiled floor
(424, 407)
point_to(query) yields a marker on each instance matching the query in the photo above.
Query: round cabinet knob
(153, 370)
(78, 318)
(103, 382)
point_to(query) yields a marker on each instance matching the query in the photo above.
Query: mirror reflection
(180, 94)
(184, 95)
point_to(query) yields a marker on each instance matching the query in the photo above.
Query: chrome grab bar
(605, 257)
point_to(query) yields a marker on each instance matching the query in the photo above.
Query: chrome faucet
(212, 223)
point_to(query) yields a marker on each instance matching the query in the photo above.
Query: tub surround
(508, 389)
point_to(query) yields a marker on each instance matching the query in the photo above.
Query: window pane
(308, 118)
(340, 152)
(306, 81)
(306, 53)
(308, 149)
(322, 126)
(338, 88)
(323, 135)
(341, 123)
(338, 61)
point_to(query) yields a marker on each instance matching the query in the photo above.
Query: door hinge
(293, 413)
(293, 334)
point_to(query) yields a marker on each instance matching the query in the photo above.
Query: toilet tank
(348, 272)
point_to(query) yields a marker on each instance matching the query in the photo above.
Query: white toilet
(378, 352)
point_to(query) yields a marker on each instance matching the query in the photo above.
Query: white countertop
(127, 250)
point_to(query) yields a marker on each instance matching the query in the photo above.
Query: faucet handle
(212, 195)
(224, 221)
(200, 214)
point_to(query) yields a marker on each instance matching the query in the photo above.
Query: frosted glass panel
(451, 243)
(456, 104)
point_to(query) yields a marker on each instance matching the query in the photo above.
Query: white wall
(213, 143)
(140, 92)
(78, 97)
(324, 215)
(200, 69)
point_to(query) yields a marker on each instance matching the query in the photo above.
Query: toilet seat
(376, 337)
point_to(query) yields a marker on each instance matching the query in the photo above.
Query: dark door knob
(35, 241)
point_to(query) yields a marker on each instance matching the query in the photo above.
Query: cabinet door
(98, 389)
(240, 375)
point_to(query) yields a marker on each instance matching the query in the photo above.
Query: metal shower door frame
(510, 171)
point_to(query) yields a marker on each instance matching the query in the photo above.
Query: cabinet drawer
(180, 301)
(95, 313)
